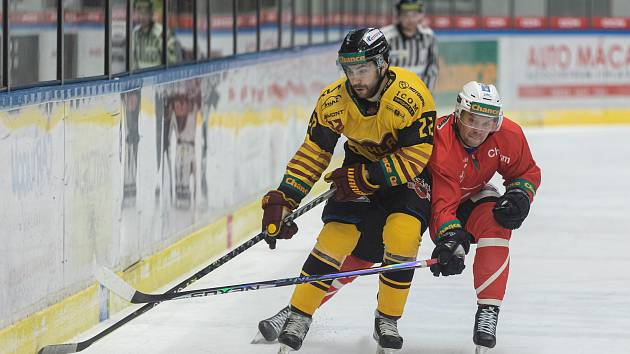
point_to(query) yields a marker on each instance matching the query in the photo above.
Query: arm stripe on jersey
(311, 159)
(301, 173)
(415, 161)
(403, 168)
(305, 166)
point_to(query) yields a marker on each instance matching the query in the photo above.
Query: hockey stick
(79, 346)
(124, 290)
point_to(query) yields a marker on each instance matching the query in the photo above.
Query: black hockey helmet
(363, 45)
(409, 5)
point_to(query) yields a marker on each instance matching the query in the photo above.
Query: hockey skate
(386, 335)
(293, 332)
(269, 329)
(484, 334)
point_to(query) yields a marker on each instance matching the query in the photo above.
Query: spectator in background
(147, 39)
(413, 45)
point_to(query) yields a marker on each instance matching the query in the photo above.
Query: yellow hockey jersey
(395, 133)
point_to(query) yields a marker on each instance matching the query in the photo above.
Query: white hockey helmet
(484, 103)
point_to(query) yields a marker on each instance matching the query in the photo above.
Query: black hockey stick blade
(140, 297)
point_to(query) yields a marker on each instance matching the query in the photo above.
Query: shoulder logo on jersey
(421, 187)
(403, 84)
(330, 101)
(443, 122)
(407, 102)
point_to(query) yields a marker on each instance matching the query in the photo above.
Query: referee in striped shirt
(413, 45)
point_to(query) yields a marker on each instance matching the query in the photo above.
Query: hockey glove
(512, 208)
(450, 250)
(351, 182)
(275, 207)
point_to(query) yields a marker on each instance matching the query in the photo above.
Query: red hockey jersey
(457, 174)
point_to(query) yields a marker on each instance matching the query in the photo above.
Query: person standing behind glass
(413, 45)
(147, 39)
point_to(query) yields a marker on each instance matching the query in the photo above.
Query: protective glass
(479, 122)
(363, 71)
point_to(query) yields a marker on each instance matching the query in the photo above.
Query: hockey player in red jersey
(470, 146)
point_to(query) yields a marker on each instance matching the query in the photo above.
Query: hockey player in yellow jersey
(387, 115)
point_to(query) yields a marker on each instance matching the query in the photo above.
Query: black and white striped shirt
(417, 53)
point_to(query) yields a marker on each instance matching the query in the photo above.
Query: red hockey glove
(275, 207)
(351, 182)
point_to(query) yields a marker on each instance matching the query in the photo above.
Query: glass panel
(567, 8)
(600, 8)
(202, 29)
(533, 8)
(317, 21)
(180, 31)
(465, 7)
(269, 24)
(246, 26)
(334, 20)
(147, 34)
(119, 36)
(360, 14)
(221, 35)
(84, 38)
(33, 42)
(491, 8)
(620, 8)
(287, 18)
(301, 22)
(379, 13)
(441, 7)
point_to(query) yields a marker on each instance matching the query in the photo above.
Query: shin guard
(401, 236)
(334, 243)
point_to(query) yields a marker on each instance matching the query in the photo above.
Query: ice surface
(569, 287)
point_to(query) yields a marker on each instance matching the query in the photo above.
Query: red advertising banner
(466, 22)
(611, 22)
(530, 22)
(569, 22)
(495, 22)
(439, 21)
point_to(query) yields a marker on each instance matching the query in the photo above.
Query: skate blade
(480, 349)
(285, 349)
(381, 350)
(260, 339)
